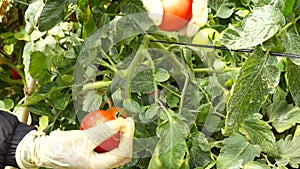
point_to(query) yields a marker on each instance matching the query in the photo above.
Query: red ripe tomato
(176, 15)
(96, 117)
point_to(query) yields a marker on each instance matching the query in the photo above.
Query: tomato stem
(211, 70)
(96, 85)
(153, 75)
(129, 72)
(293, 22)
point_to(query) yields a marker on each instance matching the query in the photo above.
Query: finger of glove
(155, 10)
(200, 12)
(199, 18)
(120, 155)
(103, 131)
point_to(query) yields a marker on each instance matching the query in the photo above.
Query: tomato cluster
(100, 116)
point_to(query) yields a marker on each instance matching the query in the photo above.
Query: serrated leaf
(52, 13)
(172, 131)
(290, 151)
(171, 148)
(131, 6)
(256, 28)
(92, 101)
(259, 132)
(172, 100)
(173, 158)
(43, 92)
(152, 111)
(256, 81)
(143, 82)
(38, 66)
(237, 152)
(223, 8)
(200, 151)
(283, 115)
(291, 42)
(131, 106)
(40, 108)
(293, 72)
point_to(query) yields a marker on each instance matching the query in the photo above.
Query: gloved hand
(199, 15)
(74, 149)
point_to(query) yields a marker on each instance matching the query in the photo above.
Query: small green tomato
(218, 66)
(205, 36)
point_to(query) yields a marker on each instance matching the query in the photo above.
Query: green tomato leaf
(223, 8)
(131, 106)
(38, 66)
(259, 132)
(161, 75)
(290, 151)
(9, 49)
(256, 28)
(256, 2)
(43, 123)
(41, 108)
(283, 115)
(172, 131)
(172, 100)
(152, 111)
(291, 42)
(173, 158)
(8, 104)
(22, 35)
(52, 13)
(288, 8)
(256, 165)
(142, 82)
(43, 92)
(293, 72)
(200, 151)
(131, 6)
(256, 81)
(171, 147)
(237, 152)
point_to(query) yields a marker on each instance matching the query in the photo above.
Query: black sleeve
(11, 133)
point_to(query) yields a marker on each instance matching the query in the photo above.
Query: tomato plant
(100, 116)
(191, 106)
(176, 14)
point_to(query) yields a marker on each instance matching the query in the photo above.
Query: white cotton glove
(74, 149)
(199, 15)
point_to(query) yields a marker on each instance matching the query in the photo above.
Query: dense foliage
(193, 107)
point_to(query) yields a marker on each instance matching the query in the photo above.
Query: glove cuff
(20, 131)
(26, 150)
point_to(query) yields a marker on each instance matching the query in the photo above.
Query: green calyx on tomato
(99, 116)
(176, 15)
